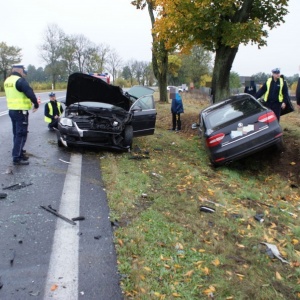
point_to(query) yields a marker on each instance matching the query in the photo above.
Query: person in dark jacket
(176, 109)
(275, 93)
(53, 111)
(251, 89)
(298, 93)
(19, 97)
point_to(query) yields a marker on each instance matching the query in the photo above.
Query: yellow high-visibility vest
(15, 100)
(268, 83)
(48, 120)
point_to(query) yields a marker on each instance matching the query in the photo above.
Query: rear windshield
(232, 111)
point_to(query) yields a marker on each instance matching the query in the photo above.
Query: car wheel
(128, 136)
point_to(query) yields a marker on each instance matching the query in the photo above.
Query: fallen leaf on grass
(147, 269)
(189, 273)
(210, 290)
(278, 276)
(176, 295)
(206, 270)
(216, 262)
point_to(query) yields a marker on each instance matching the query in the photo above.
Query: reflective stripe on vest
(268, 83)
(15, 100)
(48, 120)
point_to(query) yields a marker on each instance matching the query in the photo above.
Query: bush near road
(168, 249)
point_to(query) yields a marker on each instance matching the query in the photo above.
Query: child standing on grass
(176, 109)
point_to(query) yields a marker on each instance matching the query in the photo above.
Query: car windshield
(232, 111)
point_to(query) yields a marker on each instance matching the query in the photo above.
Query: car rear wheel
(128, 136)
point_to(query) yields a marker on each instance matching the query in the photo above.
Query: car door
(144, 116)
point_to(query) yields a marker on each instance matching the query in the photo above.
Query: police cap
(52, 94)
(276, 71)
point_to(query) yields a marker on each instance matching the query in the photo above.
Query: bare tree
(84, 50)
(114, 63)
(51, 50)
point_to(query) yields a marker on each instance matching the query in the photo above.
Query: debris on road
(12, 257)
(17, 186)
(66, 162)
(3, 195)
(54, 212)
(80, 218)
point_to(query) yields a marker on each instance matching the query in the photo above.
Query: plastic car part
(207, 209)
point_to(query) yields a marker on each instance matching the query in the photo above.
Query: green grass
(168, 249)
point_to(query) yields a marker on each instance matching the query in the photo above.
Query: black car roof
(231, 99)
(88, 88)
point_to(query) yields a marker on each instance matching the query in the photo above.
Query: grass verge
(168, 249)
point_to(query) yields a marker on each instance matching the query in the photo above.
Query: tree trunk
(223, 64)
(159, 59)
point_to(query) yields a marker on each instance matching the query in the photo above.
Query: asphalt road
(41, 255)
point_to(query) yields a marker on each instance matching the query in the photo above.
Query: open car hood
(87, 88)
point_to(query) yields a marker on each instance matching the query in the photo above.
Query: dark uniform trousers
(19, 119)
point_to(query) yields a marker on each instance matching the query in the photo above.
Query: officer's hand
(283, 105)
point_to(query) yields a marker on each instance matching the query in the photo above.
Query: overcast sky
(119, 25)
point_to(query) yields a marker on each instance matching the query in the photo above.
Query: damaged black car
(98, 114)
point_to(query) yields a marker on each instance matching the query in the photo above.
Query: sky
(125, 29)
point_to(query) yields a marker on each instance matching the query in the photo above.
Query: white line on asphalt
(62, 275)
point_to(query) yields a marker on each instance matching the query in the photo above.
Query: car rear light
(215, 140)
(267, 118)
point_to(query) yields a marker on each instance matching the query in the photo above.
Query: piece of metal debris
(207, 209)
(66, 162)
(3, 195)
(17, 186)
(80, 218)
(12, 257)
(1, 283)
(156, 175)
(54, 212)
(139, 157)
(9, 170)
(35, 294)
(259, 217)
(97, 237)
(275, 251)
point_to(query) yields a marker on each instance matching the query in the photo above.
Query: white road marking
(62, 275)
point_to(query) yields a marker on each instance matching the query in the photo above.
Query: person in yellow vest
(19, 97)
(275, 93)
(53, 111)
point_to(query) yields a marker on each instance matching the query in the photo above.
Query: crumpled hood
(87, 88)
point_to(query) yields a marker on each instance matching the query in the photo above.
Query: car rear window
(232, 111)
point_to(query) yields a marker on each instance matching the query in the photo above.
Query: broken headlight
(66, 122)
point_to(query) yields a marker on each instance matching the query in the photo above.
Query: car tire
(128, 136)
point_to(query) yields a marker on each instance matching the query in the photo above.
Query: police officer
(20, 97)
(275, 93)
(53, 110)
